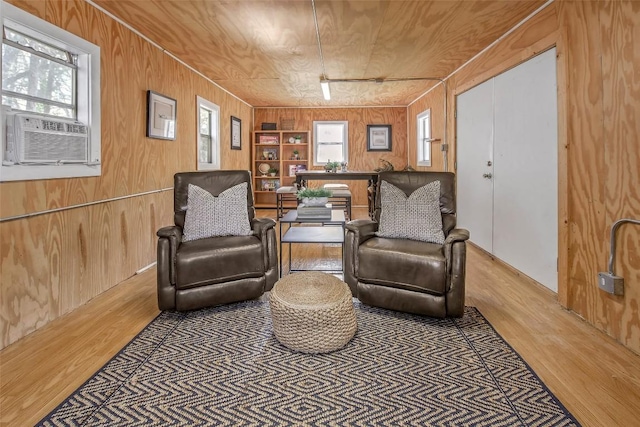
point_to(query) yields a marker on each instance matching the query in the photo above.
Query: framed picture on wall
(161, 116)
(236, 133)
(378, 137)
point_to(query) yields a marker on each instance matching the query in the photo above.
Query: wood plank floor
(597, 379)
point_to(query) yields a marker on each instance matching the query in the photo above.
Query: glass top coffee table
(330, 230)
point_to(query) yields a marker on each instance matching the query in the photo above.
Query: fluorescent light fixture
(324, 84)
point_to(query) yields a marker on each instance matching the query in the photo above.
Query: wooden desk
(317, 175)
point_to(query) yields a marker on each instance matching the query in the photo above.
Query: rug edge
(557, 401)
(149, 325)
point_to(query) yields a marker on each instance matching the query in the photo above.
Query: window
(330, 142)
(54, 74)
(424, 138)
(38, 77)
(208, 135)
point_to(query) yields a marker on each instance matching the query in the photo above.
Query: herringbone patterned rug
(223, 366)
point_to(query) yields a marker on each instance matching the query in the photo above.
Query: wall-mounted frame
(161, 116)
(378, 137)
(236, 133)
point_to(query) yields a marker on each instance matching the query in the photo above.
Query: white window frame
(316, 142)
(215, 134)
(88, 97)
(423, 138)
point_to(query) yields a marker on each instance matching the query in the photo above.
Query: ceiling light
(324, 84)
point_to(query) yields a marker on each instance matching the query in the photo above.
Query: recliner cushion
(405, 264)
(415, 216)
(209, 216)
(218, 259)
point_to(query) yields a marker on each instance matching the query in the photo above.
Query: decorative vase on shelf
(315, 201)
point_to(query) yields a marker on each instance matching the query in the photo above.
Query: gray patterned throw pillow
(210, 216)
(416, 217)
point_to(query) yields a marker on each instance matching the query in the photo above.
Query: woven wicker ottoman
(312, 312)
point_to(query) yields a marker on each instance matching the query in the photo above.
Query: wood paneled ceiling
(266, 53)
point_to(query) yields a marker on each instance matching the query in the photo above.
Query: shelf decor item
(263, 168)
(268, 139)
(378, 137)
(287, 123)
(161, 116)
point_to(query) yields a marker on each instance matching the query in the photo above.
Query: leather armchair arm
(364, 229)
(169, 238)
(455, 250)
(264, 229)
(171, 232)
(357, 232)
(261, 225)
(457, 235)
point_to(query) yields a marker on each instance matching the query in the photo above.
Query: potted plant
(314, 196)
(273, 171)
(331, 166)
(297, 139)
(296, 155)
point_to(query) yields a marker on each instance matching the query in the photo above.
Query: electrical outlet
(611, 283)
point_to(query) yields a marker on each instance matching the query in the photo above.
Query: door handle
(487, 175)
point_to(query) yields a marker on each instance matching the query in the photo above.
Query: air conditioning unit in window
(38, 139)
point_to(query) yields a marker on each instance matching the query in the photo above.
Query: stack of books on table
(314, 212)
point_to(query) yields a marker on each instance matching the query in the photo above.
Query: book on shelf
(268, 139)
(321, 212)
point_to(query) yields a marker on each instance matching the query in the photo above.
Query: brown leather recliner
(216, 270)
(408, 275)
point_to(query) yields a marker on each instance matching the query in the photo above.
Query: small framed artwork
(236, 133)
(161, 116)
(378, 137)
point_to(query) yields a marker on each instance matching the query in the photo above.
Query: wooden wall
(53, 263)
(603, 137)
(358, 118)
(599, 146)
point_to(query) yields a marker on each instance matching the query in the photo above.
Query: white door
(513, 117)
(526, 169)
(474, 164)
